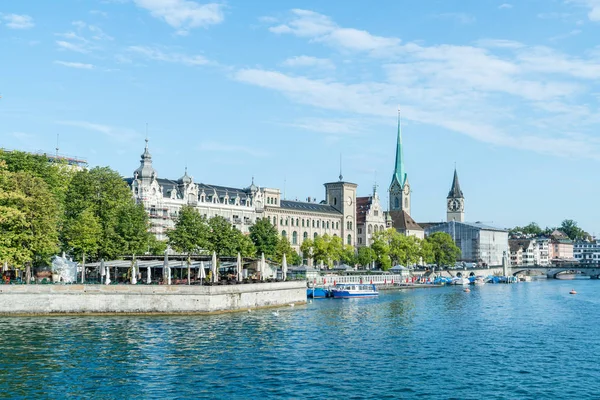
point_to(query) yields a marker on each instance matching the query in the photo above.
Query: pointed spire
(399, 174)
(455, 191)
(145, 169)
(341, 176)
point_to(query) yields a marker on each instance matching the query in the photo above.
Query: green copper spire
(399, 174)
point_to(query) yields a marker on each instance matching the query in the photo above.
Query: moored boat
(317, 292)
(350, 290)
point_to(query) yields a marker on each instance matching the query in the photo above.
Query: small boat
(480, 280)
(572, 291)
(349, 290)
(460, 281)
(317, 292)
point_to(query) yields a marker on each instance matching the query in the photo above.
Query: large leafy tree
(307, 248)
(222, 237)
(106, 193)
(132, 228)
(572, 230)
(13, 221)
(284, 247)
(366, 256)
(265, 237)
(83, 234)
(381, 247)
(243, 244)
(445, 252)
(190, 234)
(348, 255)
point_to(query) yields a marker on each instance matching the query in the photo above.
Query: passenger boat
(317, 292)
(350, 290)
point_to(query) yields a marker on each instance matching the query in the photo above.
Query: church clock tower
(399, 188)
(455, 202)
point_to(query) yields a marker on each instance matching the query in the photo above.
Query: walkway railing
(374, 279)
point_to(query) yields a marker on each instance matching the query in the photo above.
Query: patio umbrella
(239, 267)
(202, 273)
(107, 281)
(214, 267)
(102, 270)
(5, 266)
(167, 269)
(284, 267)
(262, 267)
(133, 273)
(148, 276)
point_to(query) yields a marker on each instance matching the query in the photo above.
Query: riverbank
(18, 300)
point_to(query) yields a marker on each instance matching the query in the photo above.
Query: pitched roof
(305, 206)
(455, 191)
(401, 221)
(363, 204)
(516, 244)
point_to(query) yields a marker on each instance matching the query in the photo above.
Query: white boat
(460, 281)
(349, 290)
(479, 281)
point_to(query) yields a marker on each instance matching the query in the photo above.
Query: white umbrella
(202, 273)
(239, 267)
(262, 267)
(5, 266)
(284, 267)
(148, 276)
(214, 267)
(167, 269)
(107, 281)
(134, 273)
(102, 268)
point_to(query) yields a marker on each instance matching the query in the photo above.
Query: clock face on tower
(454, 205)
(349, 201)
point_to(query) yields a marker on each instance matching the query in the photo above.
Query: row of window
(372, 228)
(306, 223)
(305, 236)
(271, 200)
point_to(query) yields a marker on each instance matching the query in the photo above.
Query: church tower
(399, 188)
(455, 202)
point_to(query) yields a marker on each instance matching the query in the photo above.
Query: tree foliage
(190, 234)
(572, 230)
(284, 247)
(265, 237)
(83, 233)
(445, 252)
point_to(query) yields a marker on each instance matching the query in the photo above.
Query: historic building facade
(370, 218)
(296, 220)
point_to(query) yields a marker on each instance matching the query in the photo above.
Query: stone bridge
(550, 271)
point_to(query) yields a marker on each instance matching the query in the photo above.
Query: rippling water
(529, 340)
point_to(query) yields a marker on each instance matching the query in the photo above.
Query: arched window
(297, 220)
(370, 229)
(313, 223)
(303, 222)
(327, 224)
(337, 225)
(305, 236)
(349, 239)
(284, 233)
(396, 202)
(315, 235)
(375, 228)
(335, 201)
(292, 221)
(381, 228)
(280, 221)
(294, 237)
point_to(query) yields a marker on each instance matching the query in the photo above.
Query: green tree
(445, 252)
(132, 229)
(284, 247)
(190, 234)
(306, 248)
(366, 256)
(157, 247)
(13, 221)
(411, 247)
(222, 237)
(265, 237)
(349, 256)
(243, 244)
(426, 252)
(106, 193)
(83, 234)
(572, 230)
(381, 248)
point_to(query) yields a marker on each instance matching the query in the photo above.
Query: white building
(587, 252)
(297, 220)
(371, 218)
(478, 243)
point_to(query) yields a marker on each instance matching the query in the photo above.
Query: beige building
(561, 247)
(370, 218)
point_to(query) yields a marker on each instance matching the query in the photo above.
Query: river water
(529, 340)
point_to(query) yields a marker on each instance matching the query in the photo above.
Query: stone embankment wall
(134, 299)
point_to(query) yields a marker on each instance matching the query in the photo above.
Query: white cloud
(120, 135)
(593, 7)
(321, 28)
(308, 61)
(183, 15)
(330, 126)
(156, 54)
(100, 13)
(229, 148)
(78, 47)
(16, 21)
(505, 6)
(74, 64)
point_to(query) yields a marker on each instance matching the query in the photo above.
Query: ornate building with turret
(400, 195)
(297, 220)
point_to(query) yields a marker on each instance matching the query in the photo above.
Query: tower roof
(145, 170)
(455, 191)
(399, 172)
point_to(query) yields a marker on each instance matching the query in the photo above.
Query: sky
(280, 90)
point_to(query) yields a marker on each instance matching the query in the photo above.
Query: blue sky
(279, 89)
